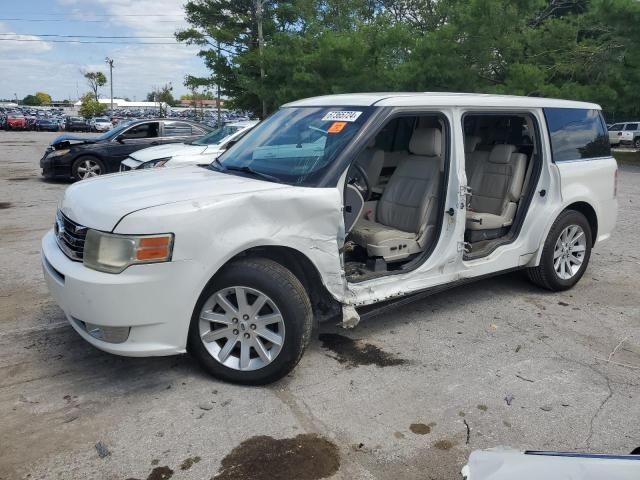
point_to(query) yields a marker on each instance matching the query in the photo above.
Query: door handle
(451, 211)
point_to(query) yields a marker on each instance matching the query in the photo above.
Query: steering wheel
(360, 180)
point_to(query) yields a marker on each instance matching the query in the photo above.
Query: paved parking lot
(407, 394)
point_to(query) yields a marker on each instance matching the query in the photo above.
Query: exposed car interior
(499, 150)
(395, 191)
(393, 198)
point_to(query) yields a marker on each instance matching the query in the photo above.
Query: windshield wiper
(249, 170)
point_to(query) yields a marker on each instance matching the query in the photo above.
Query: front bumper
(55, 167)
(146, 299)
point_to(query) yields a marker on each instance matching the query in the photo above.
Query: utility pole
(110, 62)
(218, 91)
(259, 4)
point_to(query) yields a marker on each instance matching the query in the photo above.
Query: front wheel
(565, 254)
(87, 167)
(252, 323)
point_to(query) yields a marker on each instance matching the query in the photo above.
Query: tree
(31, 100)
(91, 107)
(44, 97)
(162, 94)
(95, 81)
(575, 49)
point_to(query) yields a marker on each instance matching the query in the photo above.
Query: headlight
(111, 253)
(59, 153)
(158, 162)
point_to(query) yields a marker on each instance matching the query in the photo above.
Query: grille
(70, 237)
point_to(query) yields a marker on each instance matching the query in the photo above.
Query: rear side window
(576, 134)
(177, 129)
(631, 126)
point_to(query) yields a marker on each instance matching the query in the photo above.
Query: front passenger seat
(407, 212)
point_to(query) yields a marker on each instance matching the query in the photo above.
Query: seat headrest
(426, 141)
(470, 143)
(501, 153)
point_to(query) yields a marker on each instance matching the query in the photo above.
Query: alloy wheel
(569, 251)
(88, 169)
(242, 328)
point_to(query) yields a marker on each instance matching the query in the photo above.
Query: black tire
(291, 298)
(80, 160)
(545, 275)
(636, 142)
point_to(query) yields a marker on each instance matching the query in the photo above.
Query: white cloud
(56, 67)
(14, 43)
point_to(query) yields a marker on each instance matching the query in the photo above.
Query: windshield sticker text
(341, 115)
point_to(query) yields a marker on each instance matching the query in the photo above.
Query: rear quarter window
(576, 134)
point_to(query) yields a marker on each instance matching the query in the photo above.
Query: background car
(81, 157)
(101, 124)
(47, 124)
(76, 124)
(627, 133)
(15, 122)
(201, 151)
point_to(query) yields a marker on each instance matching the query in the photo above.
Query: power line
(85, 36)
(85, 41)
(72, 20)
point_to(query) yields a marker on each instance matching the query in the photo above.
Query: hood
(102, 201)
(73, 139)
(208, 155)
(168, 150)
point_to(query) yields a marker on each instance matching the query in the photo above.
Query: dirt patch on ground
(354, 353)
(305, 457)
(421, 428)
(188, 462)
(5, 205)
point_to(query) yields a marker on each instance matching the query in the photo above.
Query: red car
(15, 122)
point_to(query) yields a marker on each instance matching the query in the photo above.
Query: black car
(47, 124)
(76, 124)
(84, 157)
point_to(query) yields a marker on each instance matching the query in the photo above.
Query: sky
(45, 63)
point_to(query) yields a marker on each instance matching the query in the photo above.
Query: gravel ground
(391, 399)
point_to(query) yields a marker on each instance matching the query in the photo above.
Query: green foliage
(31, 100)
(575, 49)
(44, 97)
(163, 94)
(91, 107)
(95, 81)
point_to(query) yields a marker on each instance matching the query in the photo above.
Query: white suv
(330, 205)
(625, 134)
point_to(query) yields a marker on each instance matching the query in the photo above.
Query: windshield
(114, 131)
(217, 136)
(295, 145)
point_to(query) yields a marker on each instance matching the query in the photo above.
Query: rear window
(576, 134)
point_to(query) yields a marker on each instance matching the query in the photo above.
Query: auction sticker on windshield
(341, 115)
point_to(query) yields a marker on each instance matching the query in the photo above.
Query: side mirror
(229, 144)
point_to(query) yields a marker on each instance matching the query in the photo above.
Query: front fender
(216, 229)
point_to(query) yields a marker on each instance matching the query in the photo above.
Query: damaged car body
(331, 206)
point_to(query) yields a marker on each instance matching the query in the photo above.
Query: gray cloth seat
(496, 186)
(407, 211)
(472, 156)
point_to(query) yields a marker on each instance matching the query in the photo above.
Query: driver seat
(407, 212)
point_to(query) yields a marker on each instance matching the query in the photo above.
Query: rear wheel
(565, 254)
(87, 167)
(636, 142)
(252, 323)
